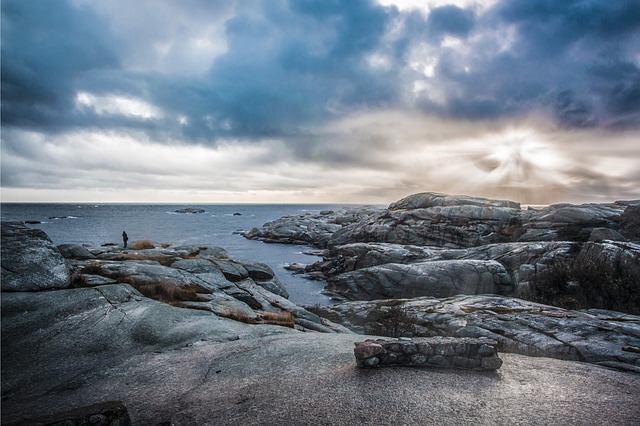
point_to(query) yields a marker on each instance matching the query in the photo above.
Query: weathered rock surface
(595, 336)
(441, 278)
(435, 199)
(453, 221)
(309, 229)
(80, 347)
(30, 261)
(541, 250)
(278, 379)
(74, 251)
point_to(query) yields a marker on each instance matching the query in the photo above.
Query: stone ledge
(445, 352)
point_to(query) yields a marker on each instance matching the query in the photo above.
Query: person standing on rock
(125, 238)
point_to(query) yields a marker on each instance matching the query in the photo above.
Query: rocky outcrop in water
(190, 210)
(310, 229)
(419, 246)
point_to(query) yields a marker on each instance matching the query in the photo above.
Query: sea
(220, 225)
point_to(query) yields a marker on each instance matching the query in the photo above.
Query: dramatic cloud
(319, 100)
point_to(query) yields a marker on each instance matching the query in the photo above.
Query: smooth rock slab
(430, 278)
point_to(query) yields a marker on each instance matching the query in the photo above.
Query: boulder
(442, 226)
(309, 229)
(431, 278)
(30, 261)
(75, 251)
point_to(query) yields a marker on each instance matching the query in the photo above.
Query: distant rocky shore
(430, 244)
(163, 334)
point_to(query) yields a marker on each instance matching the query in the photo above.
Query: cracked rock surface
(595, 336)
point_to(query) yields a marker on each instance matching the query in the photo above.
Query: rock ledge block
(445, 352)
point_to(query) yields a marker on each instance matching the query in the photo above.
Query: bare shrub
(284, 319)
(79, 281)
(93, 268)
(142, 245)
(392, 321)
(608, 285)
(555, 285)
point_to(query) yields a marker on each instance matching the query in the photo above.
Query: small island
(189, 210)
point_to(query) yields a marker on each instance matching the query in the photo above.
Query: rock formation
(601, 337)
(98, 350)
(30, 261)
(423, 244)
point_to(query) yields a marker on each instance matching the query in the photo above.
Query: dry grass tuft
(284, 319)
(161, 259)
(93, 268)
(79, 281)
(142, 245)
(167, 292)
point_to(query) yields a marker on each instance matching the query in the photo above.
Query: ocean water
(97, 224)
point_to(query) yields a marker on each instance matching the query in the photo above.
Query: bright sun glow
(521, 158)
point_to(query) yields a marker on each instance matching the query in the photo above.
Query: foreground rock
(284, 379)
(167, 364)
(600, 337)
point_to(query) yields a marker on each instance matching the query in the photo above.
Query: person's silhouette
(125, 238)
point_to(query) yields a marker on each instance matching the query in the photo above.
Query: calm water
(96, 224)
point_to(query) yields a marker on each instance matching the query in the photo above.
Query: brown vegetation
(284, 319)
(168, 292)
(142, 245)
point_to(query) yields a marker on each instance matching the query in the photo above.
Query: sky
(319, 101)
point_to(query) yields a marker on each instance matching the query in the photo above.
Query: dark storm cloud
(291, 65)
(45, 46)
(576, 59)
(449, 20)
